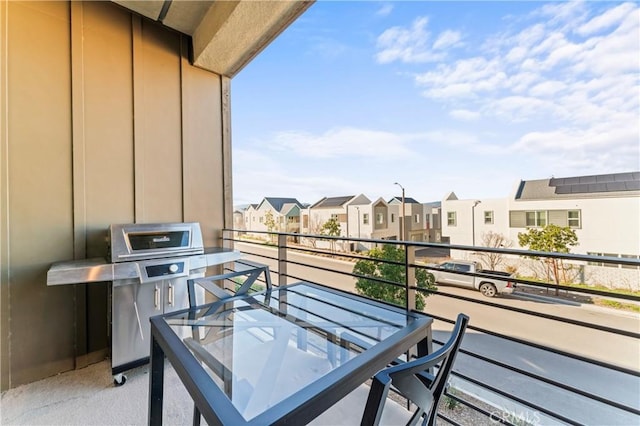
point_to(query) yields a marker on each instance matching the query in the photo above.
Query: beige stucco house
(111, 112)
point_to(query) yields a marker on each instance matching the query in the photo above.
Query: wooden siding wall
(103, 121)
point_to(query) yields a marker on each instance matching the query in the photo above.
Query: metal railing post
(282, 260)
(410, 275)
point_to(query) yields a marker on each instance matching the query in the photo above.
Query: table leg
(196, 416)
(156, 384)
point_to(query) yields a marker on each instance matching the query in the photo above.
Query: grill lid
(142, 241)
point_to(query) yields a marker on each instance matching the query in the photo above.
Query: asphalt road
(607, 347)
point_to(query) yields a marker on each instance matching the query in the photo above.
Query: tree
(270, 222)
(377, 267)
(332, 229)
(493, 239)
(551, 238)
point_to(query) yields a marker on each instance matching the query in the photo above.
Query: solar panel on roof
(588, 179)
(633, 185)
(579, 189)
(597, 183)
(597, 187)
(616, 186)
(623, 177)
(564, 189)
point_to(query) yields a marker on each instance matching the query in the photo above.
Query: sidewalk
(577, 300)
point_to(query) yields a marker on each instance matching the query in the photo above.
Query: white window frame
(365, 218)
(452, 219)
(379, 218)
(574, 219)
(540, 218)
(489, 216)
(416, 217)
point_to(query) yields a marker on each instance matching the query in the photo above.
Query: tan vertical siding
(201, 134)
(4, 203)
(158, 121)
(104, 121)
(39, 188)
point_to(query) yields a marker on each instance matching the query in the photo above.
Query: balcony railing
(526, 358)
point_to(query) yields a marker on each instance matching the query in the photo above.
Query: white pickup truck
(449, 273)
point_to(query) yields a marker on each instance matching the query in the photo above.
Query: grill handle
(171, 296)
(156, 297)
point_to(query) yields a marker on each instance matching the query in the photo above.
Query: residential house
(414, 225)
(433, 221)
(602, 209)
(274, 214)
(336, 208)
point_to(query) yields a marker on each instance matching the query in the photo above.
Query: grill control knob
(173, 268)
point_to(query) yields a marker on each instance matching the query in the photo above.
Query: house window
(573, 218)
(451, 218)
(261, 219)
(614, 265)
(536, 218)
(393, 218)
(334, 217)
(379, 218)
(630, 256)
(417, 218)
(610, 265)
(365, 218)
(488, 217)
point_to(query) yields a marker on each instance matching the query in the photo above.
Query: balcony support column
(282, 260)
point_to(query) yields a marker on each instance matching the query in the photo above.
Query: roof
(407, 200)
(592, 186)
(279, 203)
(332, 202)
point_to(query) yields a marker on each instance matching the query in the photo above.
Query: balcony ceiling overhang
(226, 35)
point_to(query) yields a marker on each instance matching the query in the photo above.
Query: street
(607, 347)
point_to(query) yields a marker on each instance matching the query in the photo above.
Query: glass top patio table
(279, 356)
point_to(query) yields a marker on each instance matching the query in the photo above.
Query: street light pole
(402, 223)
(473, 222)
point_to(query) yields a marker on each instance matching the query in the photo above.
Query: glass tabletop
(261, 349)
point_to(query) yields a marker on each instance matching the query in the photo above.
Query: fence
(543, 361)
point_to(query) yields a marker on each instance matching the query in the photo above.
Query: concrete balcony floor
(88, 397)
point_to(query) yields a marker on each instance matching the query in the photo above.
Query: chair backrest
(414, 380)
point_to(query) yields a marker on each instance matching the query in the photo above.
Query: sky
(469, 97)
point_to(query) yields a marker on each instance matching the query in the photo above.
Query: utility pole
(402, 223)
(473, 222)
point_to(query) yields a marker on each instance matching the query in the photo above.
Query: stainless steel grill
(149, 265)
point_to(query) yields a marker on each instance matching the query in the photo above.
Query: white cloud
(543, 70)
(385, 9)
(464, 115)
(411, 45)
(606, 20)
(345, 141)
(447, 39)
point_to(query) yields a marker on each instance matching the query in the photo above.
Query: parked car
(449, 272)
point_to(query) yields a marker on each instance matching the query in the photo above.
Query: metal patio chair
(412, 379)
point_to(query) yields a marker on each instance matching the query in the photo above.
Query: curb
(546, 299)
(592, 307)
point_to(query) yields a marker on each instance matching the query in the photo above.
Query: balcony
(527, 358)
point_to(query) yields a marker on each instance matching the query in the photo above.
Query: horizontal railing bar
(515, 398)
(605, 293)
(546, 380)
(547, 348)
(509, 251)
(533, 313)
